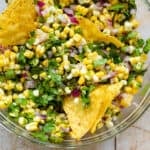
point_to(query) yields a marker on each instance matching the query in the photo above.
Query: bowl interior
(129, 115)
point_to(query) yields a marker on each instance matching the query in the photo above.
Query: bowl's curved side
(140, 105)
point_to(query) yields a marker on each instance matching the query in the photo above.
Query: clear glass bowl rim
(121, 126)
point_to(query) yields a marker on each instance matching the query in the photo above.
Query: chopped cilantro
(10, 74)
(99, 62)
(117, 7)
(49, 126)
(147, 46)
(40, 135)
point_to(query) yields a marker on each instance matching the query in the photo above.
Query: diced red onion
(50, 54)
(74, 20)
(38, 10)
(120, 96)
(24, 75)
(73, 7)
(65, 130)
(43, 116)
(30, 84)
(110, 75)
(109, 22)
(40, 4)
(27, 67)
(68, 11)
(101, 2)
(76, 93)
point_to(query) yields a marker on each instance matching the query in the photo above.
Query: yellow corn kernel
(7, 53)
(45, 63)
(58, 59)
(6, 62)
(100, 74)
(37, 119)
(90, 66)
(3, 105)
(71, 33)
(139, 79)
(112, 65)
(19, 86)
(134, 90)
(29, 54)
(121, 30)
(87, 61)
(54, 50)
(66, 30)
(75, 72)
(69, 43)
(120, 75)
(115, 80)
(57, 33)
(82, 10)
(15, 48)
(9, 85)
(81, 80)
(5, 102)
(93, 18)
(15, 96)
(13, 56)
(93, 55)
(22, 121)
(135, 60)
(33, 126)
(46, 29)
(126, 102)
(55, 25)
(40, 50)
(128, 89)
(143, 57)
(60, 70)
(77, 38)
(63, 35)
(26, 93)
(43, 75)
(135, 23)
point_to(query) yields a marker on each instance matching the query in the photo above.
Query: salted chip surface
(16, 22)
(83, 119)
(92, 33)
(107, 93)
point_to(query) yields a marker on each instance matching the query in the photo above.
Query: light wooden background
(137, 137)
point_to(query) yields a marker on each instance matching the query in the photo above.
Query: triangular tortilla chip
(91, 33)
(16, 22)
(108, 93)
(84, 119)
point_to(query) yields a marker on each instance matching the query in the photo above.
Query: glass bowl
(129, 116)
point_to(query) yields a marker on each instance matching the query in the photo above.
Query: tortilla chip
(82, 119)
(92, 33)
(16, 22)
(108, 93)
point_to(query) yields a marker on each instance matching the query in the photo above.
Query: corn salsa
(77, 45)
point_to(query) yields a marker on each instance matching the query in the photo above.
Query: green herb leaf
(48, 127)
(41, 136)
(10, 74)
(117, 7)
(99, 62)
(115, 56)
(147, 46)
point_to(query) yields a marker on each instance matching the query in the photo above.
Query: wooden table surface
(137, 137)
